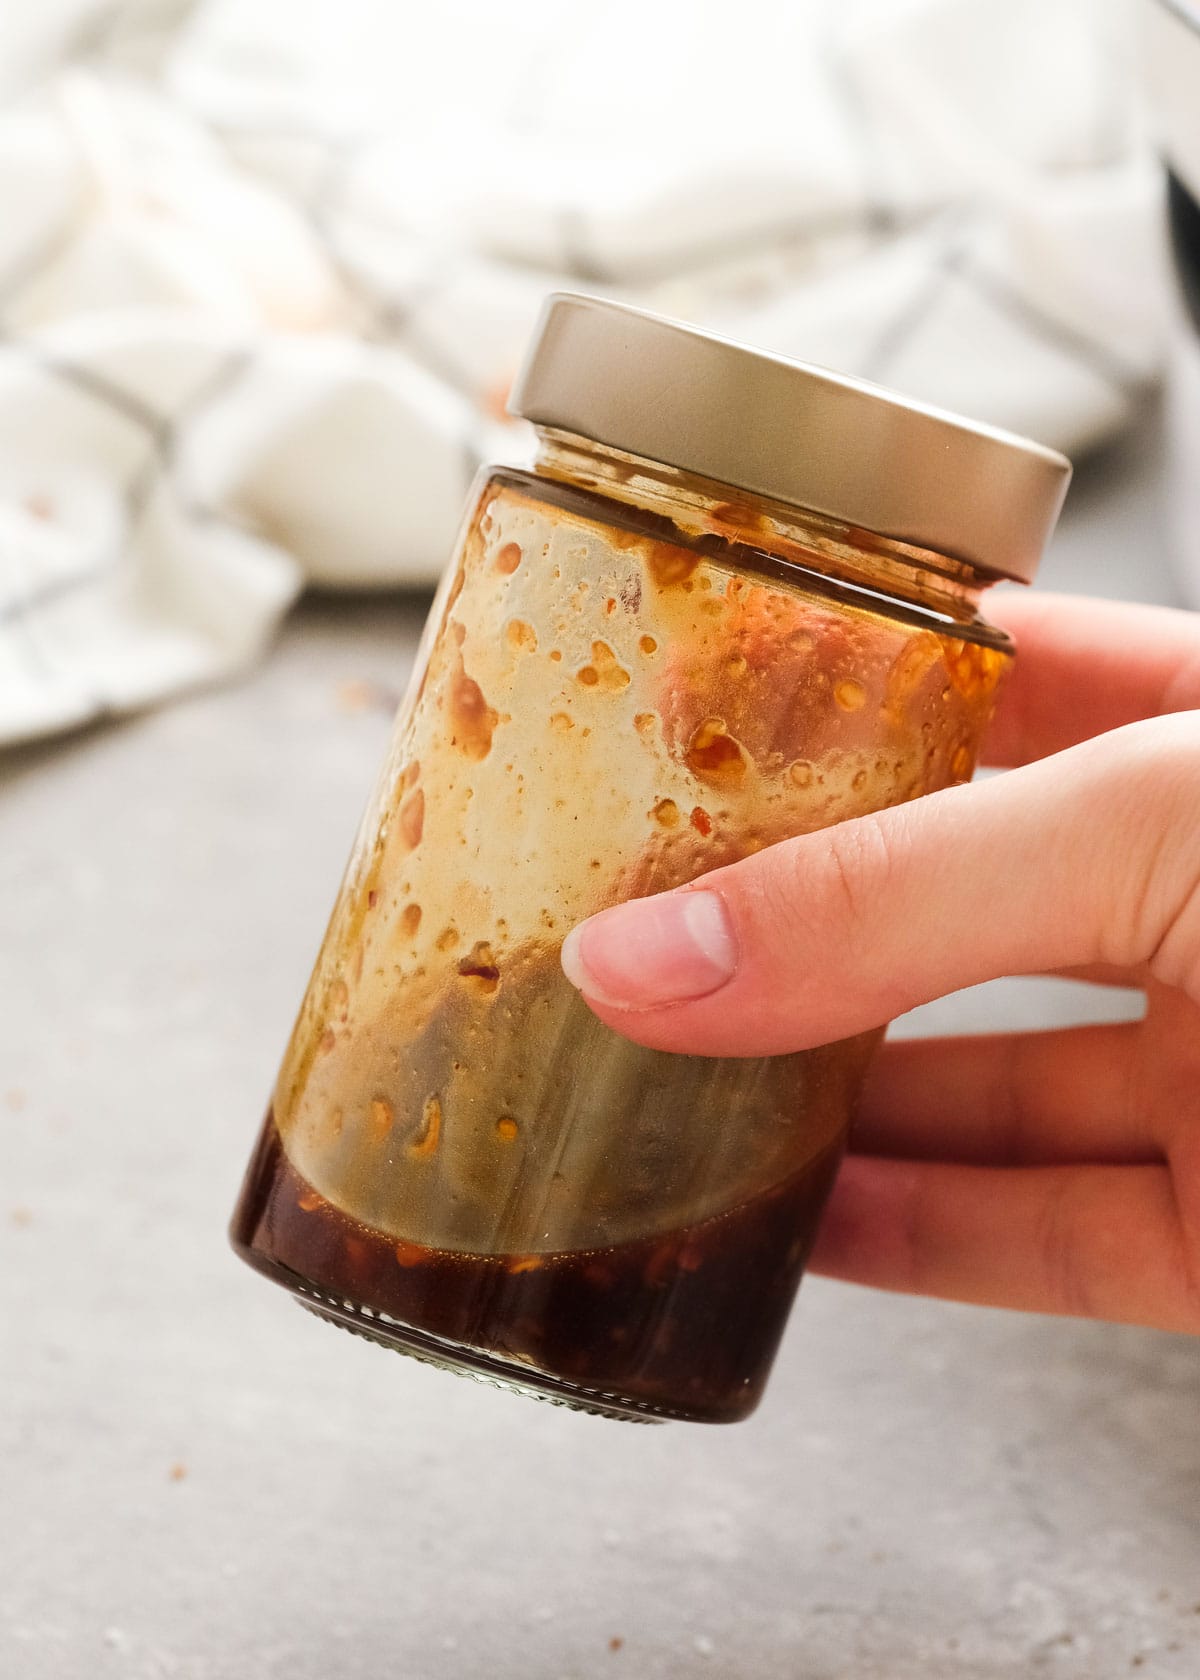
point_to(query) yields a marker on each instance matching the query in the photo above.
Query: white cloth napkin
(267, 266)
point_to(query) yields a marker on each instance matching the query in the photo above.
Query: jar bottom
(462, 1361)
(680, 1325)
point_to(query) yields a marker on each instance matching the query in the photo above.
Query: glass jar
(671, 643)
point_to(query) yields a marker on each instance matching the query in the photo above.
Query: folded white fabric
(266, 268)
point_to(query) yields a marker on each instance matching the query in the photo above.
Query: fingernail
(652, 951)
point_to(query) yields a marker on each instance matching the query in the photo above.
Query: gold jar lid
(842, 447)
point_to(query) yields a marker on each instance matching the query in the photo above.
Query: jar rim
(791, 431)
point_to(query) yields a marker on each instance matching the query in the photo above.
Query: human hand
(1055, 1171)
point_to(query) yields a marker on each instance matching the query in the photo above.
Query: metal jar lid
(841, 447)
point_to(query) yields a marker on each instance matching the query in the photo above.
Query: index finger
(1084, 667)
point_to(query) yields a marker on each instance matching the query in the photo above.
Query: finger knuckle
(858, 865)
(1056, 1249)
(1157, 910)
(1139, 1266)
(860, 896)
(1070, 1263)
(1182, 692)
(1184, 1163)
(1189, 1287)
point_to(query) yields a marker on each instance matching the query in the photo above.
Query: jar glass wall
(631, 676)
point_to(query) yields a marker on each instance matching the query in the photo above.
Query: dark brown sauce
(684, 1324)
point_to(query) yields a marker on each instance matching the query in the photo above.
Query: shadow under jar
(734, 601)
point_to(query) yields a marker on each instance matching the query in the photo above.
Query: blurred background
(266, 271)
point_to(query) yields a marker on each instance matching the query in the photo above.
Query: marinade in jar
(461, 1160)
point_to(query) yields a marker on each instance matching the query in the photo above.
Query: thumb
(1089, 856)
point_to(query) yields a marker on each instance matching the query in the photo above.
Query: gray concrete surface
(197, 1480)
